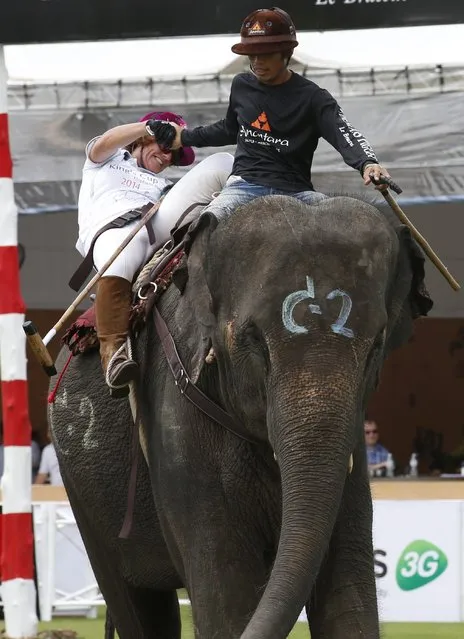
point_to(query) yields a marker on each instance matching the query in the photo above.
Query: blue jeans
(238, 191)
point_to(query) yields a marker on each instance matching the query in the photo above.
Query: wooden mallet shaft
(420, 239)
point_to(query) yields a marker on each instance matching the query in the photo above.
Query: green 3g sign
(420, 563)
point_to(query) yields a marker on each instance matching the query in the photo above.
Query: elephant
(95, 465)
(282, 314)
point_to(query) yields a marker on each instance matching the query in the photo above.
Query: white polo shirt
(110, 189)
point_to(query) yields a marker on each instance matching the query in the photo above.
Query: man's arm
(355, 149)
(220, 133)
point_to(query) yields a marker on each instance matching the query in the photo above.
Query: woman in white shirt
(49, 469)
(121, 177)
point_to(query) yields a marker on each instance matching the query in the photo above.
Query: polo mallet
(420, 239)
(39, 345)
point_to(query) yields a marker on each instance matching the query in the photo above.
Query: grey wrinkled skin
(91, 433)
(253, 539)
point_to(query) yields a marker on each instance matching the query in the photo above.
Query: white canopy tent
(186, 57)
(414, 121)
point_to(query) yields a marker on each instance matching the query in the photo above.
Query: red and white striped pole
(16, 563)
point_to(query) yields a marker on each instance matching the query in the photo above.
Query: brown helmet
(266, 31)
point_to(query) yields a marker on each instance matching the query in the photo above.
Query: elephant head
(300, 305)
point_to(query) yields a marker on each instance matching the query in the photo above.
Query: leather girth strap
(188, 388)
(193, 394)
(84, 269)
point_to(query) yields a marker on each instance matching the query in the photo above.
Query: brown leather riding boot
(112, 310)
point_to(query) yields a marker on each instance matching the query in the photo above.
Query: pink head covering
(186, 153)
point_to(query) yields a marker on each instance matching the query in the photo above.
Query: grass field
(93, 629)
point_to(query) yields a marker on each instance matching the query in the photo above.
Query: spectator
(36, 454)
(49, 470)
(377, 454)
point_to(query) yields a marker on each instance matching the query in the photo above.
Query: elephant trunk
(313, 438)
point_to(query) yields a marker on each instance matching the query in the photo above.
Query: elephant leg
(110, 630)
(344, 601)
(136, 612)
(225, 586)
(157, 612)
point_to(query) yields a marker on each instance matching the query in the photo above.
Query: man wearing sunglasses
(377, 454)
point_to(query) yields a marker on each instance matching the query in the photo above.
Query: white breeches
(197, 186)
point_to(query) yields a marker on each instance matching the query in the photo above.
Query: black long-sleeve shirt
(277, 129)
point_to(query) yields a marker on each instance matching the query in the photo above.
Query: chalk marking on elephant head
(339, 325)
(291, 301)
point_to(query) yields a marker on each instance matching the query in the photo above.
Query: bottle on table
(413, 464)
(390, 466)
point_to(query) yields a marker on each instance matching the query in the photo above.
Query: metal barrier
(65, 580)
(215, 89)
(419, 562)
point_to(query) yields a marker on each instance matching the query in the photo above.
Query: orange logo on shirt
(261, 122)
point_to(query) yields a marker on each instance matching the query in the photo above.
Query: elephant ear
(409, 297)
(192, 279)
(197, 230)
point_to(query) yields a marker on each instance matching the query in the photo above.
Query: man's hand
(176, 144)
(372, 172)
(162, 132)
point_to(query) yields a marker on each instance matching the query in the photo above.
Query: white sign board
(418, 550)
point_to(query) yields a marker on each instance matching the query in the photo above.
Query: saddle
(149, 284)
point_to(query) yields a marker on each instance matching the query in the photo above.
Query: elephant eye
(252, 340)
(250, 349)
(253, 334)
(250, 335)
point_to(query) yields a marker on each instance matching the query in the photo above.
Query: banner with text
(418, 547)
(418, 551)
(28, 21)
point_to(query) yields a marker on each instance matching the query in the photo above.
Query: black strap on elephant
(182, 379)
(195, 396)
(153, 283)
(188, 389)
(85, 268)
